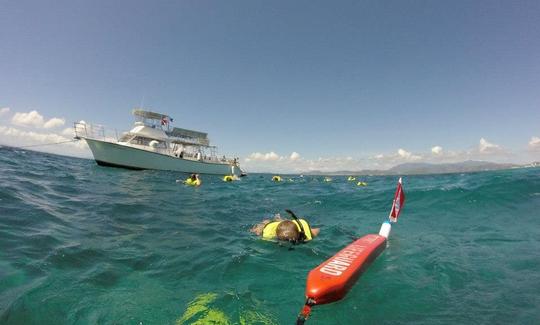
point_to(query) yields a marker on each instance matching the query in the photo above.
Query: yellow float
(361, 184)
(276, 178)
(192, 182)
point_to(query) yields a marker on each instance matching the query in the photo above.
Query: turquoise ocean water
(83, 244)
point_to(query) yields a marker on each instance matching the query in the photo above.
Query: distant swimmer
(193, 180)
(295, 231)
(230, 178)
(276, 178)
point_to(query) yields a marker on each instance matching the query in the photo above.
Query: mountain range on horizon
(430, 168)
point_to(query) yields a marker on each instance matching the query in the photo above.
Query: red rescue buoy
(331, 280)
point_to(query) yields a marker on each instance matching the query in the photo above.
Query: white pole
(385, 229)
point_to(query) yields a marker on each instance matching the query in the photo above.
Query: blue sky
(343, 84)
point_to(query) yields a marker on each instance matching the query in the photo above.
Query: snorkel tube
(332, 279)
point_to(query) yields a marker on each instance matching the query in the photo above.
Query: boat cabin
(152, 132)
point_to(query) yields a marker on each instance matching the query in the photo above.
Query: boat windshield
(125, 137)
(142, 141)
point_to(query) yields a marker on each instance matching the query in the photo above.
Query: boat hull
(115, 155)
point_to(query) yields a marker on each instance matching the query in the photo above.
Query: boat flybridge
(153, 144)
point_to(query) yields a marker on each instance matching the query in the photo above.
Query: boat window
(125, 138)
(161, 144)
(141, 141)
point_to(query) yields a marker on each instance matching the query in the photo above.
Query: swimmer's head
(287, 230)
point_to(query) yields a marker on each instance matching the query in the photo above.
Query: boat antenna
(142, 100)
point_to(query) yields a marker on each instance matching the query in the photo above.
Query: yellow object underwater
(276, 178)
(328, 179)
(361, 184)
(200, 311)
(351, 178)
(200, 307)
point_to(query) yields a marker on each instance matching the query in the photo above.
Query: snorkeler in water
(296, 230)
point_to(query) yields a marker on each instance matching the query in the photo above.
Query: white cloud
(487, 147)
(36, 120)
(385, 161)
(30, 135)
(437, 150)
(534, 144)
(68, 132)
(4, 110)
(16, 137)
(270, 156)
(407, 155)
(32, 118)
(482, 150)
(295, 163)
(54, 122)
(403, 153)
(294, 156)
(273, 162)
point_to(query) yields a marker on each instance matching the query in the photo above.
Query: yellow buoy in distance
(276, 178)
(351, 178)
(361, 184)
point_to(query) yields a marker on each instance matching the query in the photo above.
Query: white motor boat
(153, 144)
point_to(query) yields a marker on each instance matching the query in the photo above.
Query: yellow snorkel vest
(191, 182)
(269, 231)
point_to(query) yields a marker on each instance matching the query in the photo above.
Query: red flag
(399, 201)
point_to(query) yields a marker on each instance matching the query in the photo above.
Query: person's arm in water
(315, 232)
(258, 228)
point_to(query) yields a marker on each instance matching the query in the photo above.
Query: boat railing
(94, 131)
(207, 158)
